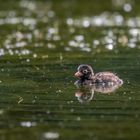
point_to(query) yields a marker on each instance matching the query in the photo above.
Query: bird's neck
(86, 78)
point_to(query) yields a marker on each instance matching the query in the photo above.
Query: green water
(41, 45)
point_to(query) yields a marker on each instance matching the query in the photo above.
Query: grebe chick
(86, 77)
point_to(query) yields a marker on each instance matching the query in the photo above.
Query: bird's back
(107, 77)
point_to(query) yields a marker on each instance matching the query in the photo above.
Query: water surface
(41, 45)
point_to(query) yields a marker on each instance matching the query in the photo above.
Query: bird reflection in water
(86, 93)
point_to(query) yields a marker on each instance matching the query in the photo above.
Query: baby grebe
(86, 77)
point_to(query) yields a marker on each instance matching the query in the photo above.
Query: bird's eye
(85, 71)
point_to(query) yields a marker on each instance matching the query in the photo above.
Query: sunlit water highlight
(110, 37)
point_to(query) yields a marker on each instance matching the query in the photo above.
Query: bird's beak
(78, 74)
